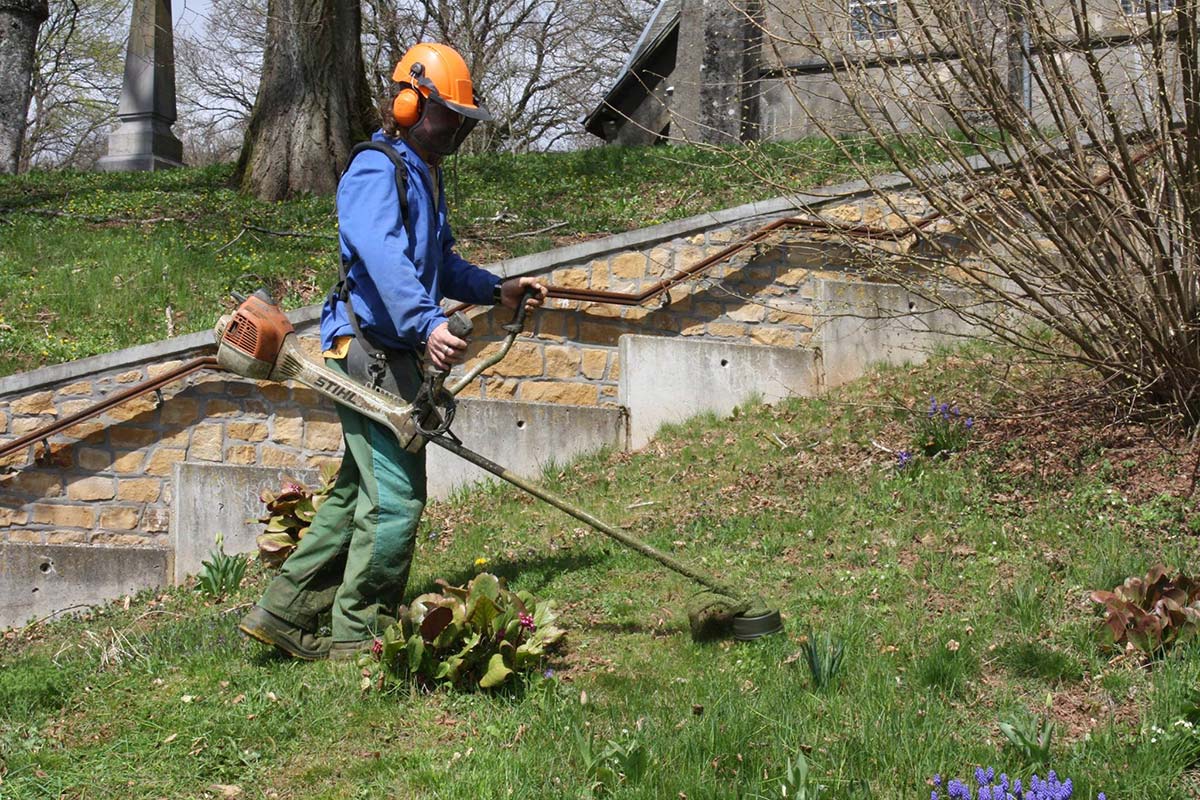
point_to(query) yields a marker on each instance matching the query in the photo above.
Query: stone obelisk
(143, 141)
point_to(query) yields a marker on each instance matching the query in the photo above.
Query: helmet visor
(441, 129)
(477, 112)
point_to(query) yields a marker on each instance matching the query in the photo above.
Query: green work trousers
(356, 556)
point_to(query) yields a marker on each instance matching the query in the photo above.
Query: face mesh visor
(444, 124)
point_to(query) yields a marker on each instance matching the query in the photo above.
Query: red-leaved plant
(289, 513)
(1151, 613)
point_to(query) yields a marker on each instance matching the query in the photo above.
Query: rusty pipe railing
(115, 399)
(670, 282)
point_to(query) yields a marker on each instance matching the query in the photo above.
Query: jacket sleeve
(370, 224)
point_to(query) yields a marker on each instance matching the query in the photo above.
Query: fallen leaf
(237, 699)
(170, 738)
(226, 790)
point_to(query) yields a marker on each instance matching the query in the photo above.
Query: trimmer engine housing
(252, 337)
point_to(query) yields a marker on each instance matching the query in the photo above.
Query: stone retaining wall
(764, 295)
(107, 480)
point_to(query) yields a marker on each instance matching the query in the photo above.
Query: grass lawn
(95, 262)
(959, 589)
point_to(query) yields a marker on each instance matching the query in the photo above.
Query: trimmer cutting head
(714, 616)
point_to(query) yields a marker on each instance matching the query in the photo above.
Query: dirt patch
(1064, 427)
(1080, 709)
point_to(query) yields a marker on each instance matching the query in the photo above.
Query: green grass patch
(94, 262)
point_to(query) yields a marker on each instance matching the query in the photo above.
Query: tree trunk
(313, 102)
(19, 23)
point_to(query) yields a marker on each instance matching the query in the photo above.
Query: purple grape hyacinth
(1049, 788)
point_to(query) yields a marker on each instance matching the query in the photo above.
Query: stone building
(722, 71)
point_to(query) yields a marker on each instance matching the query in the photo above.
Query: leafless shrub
(1057, 145)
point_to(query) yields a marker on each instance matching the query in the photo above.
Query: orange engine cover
(258, 329)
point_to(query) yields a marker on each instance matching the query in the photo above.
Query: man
(399, 262)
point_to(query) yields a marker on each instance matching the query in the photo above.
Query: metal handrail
(115, 399)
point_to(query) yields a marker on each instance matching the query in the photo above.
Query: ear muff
(406, 108)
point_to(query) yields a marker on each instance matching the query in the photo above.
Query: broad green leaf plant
(478, 635)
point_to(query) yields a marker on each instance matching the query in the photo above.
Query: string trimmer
(257, 341)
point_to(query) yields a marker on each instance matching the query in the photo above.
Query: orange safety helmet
(434, 72)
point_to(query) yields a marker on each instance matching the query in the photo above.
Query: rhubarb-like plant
(288, 515)
(480, 635)
(1151, 613)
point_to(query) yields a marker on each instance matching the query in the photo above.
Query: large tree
(19, 23)
(313, 103)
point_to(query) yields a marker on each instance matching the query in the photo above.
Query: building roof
(661, 31)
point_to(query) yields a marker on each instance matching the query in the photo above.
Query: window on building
(876, 19)
(1142, 6)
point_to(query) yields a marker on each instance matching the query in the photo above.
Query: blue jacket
(397, 282)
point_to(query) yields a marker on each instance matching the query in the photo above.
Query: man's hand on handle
(513, 288)
(445, 349)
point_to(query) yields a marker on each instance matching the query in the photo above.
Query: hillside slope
(94, 262)
(958, 587)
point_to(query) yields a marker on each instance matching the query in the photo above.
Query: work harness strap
(378, 366)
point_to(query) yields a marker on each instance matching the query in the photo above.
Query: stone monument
(143, 141)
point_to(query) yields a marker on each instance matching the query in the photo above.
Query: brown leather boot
(263, 626)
